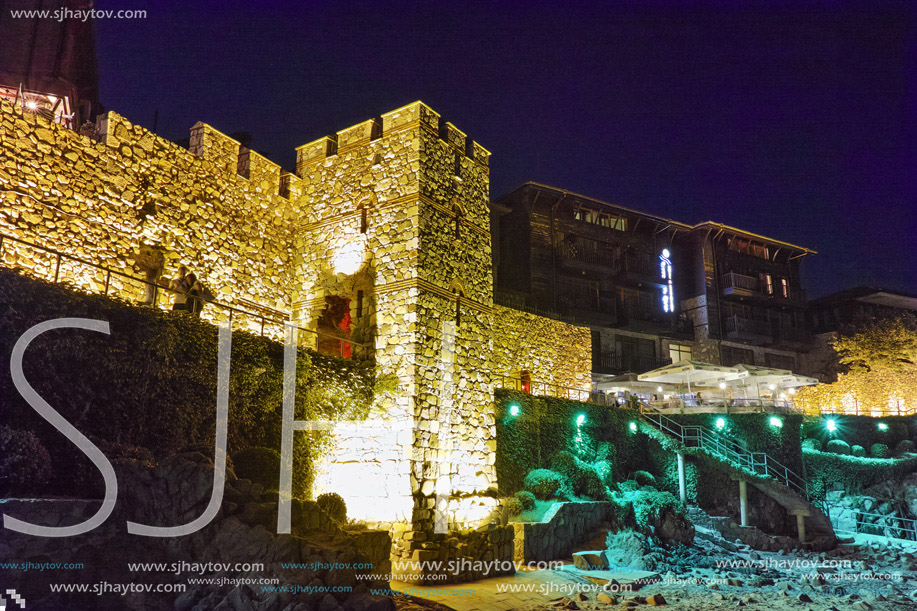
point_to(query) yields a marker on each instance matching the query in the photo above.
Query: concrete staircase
(778, 482)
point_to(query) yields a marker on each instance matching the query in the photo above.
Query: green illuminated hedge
(853, 473)
(151, 383)
(546, 426)
(862, 430)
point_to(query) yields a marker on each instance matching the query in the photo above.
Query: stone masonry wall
(105, 200)
(566, 526)
(553, 352)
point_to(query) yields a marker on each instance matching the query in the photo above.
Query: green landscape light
(580, 420)
(882, 426)
(775, 421)
(513, 410)
(831, 425)
(720, 423)
(633, 427)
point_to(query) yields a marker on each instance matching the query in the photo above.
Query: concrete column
(682, 485)
(743, 501)
(801, 527)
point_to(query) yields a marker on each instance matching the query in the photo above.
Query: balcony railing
(734, 283)
(588, 251)
(739, 325)
(638, 263)
(645, 310)
(613, 362)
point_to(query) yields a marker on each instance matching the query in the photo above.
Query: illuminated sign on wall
(665, 272)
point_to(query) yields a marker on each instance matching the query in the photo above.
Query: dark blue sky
(797, 122)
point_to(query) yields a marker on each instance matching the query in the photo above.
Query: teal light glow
(882, 426)
(777, 422)
(633, 427)
(831, 425)
(720, 423)
(514, 410)
(580, 420)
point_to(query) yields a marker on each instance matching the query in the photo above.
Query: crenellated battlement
(224, 154)
(416, 114)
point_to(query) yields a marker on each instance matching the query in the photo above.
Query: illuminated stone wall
(553, 352)
(116, 201)
(391, 215)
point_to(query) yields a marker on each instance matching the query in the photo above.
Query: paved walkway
(520, 591)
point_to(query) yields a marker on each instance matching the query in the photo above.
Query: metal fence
(92, 277)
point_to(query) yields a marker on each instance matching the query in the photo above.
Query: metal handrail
(109, 273)
(757, 462)
(908, 525)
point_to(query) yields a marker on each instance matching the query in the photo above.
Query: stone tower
(394, 218)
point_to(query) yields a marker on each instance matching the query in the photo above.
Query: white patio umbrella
(628, 382)
(753, 375)
(686, 372)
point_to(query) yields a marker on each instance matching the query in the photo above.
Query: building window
(457, 211)
(602, 219)
(359, 304)
(780, 361)
(749, 247)
(679, 352)
(784, 287)
(363, 219)
(731, 356)
(769, 284)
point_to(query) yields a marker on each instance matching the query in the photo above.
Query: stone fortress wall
(120, 197)
(389, 215)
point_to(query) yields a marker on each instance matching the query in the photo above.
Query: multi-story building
(48, 65)
(844, 310)
(653, 290)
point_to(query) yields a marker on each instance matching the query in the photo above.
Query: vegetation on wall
(532, 431)
(861, 430)
(151, 383)
(875, 366)
(852, 473)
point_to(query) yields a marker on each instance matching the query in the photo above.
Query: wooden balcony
(638, 266)
(741, 285)
(747, 329)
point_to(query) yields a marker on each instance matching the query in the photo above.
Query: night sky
(796, 122)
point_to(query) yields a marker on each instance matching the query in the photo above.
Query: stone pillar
(801, 527)
(743, 501)
(682, 485)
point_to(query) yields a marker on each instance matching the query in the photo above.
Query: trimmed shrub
(837, 446)
(260, 465)
(812, 444)
(513, 506)
(879, 450)
(853, 474)
(628, 486)
(644, 478)
(333, 505)
(25, 465)
(905, 446)
(858, 451)
(526, 499)
(544, 483)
